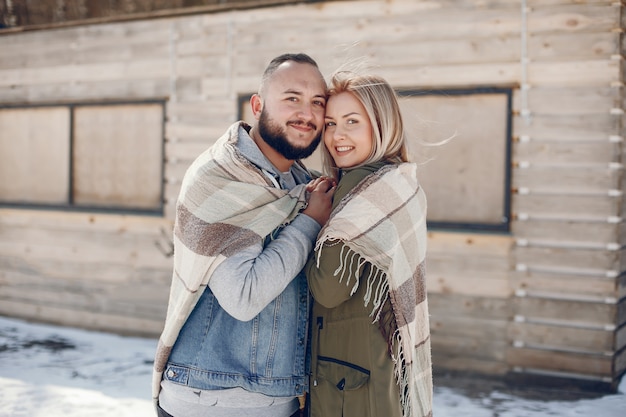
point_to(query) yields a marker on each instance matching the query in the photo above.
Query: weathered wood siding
(548, 297)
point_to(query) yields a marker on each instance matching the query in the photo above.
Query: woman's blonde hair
(381, 104)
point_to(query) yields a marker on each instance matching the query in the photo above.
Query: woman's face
(348, 131)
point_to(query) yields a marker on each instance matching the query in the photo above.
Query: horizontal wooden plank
(223, 86)
(492, 50)
(598, 152)
(469, 244)
(56, 54)
(155, 68)
(180, 152)
(565, 310)
(455, 305)
(546, 17)
(191, 133)
(569, 128)
(600, 176)
(566, 205)
(83, 222)
(85, 92)
(73, 256)
(472, 328)
(580, 100)
(88, 37)
(80, 260)
(592, 365)
(573, 73)
(198, 112)
(560, 337)
(561, 74)
(471, 283)
(564, 284)
(90, 296)
(560, 3)
(20, 271)
(460, 362)
(569, 46)
(596, 230)
(474, 348)
(570, 257)
(121, 324)
(451, 76)
(205, 44)
(353, 52)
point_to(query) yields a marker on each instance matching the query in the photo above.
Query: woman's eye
(330, 124)
(352, 121)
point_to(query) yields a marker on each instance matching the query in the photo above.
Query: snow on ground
(63, 372)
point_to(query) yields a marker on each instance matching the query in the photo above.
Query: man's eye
(320, 103)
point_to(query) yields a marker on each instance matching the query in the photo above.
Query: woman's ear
(256, 104)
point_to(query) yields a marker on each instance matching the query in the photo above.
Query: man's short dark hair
(300, 58)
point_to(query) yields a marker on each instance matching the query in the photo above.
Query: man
(235, 337)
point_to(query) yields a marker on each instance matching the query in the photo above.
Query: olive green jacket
(352, 371)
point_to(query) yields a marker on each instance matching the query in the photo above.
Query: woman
(371, 340)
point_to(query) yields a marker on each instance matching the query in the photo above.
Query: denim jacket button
(171, 373)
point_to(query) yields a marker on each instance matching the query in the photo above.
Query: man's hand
(321, 194)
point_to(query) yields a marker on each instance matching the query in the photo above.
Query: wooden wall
(547, 298)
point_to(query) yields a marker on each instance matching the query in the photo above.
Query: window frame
(70, 205)
(503, 226)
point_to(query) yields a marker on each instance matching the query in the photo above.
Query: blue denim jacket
(258, 355)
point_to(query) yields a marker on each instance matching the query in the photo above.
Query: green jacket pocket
(344, 375)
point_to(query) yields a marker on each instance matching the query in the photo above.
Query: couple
(254, 236)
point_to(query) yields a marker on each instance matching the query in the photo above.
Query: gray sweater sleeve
(245, 283)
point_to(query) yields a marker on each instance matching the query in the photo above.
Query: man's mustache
(299, 123)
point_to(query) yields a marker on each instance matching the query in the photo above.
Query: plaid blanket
(225, 205)
(383, 221)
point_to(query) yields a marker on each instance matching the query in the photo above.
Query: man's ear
(256, 104)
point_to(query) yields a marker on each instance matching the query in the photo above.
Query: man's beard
(276, 137)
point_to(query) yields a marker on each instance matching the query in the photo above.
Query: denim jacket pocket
(344, 375)
(177, 374)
